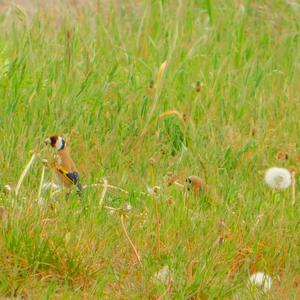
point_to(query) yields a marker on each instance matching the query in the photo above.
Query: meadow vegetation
(145, 91)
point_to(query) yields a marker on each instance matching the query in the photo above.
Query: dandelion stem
(130, 242)
(24, 173)
(293, 187)
(157, 225)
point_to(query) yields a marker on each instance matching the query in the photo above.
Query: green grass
(91, 74)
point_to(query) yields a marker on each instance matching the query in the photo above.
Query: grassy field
(145, 91)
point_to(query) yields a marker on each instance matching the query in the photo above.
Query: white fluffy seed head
(278, 178)
(163, 275)
(261, 280)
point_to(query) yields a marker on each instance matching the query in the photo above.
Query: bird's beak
(47, 141)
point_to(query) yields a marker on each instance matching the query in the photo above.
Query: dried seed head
(170, 201)
(171, 179)
(198, 87)
(221, 240)
(152, 161)
(293, 170)
(221, 225)
(69, 35)
(156, 189)
(282, 155)
(163, 151)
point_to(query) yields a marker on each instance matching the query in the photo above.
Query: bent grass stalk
(130, 241)
(24, 173)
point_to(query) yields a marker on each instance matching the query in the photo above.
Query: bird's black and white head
(56, 142)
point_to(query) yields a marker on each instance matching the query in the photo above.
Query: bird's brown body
(64, 168)
(64, 163)
(196, 184)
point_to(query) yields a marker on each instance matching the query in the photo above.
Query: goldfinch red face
(56, 141)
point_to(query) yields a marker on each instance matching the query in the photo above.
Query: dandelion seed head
(261, 280)
(278, 178)
(163, 275)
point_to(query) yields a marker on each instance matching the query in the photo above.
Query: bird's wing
(72, 177)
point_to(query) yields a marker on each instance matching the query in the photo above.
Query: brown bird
(64, 169)
(196, 184)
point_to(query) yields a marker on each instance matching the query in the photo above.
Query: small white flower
(278, 178)
(150, 190)
(261, 280)
(163, 275)
(127, 207)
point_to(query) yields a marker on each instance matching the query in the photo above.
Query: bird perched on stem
(64, 168)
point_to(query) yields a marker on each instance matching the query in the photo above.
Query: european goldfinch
(195, 184)
(64, 168)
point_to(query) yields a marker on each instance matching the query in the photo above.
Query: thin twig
(41, 182)
(24, 173)
(103, 193)
(178, 184)
(130, 242)
(111, 208)
(109, 186)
